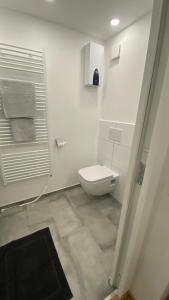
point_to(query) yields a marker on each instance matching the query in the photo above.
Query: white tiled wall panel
(121, 157)
(105, 152)
(116, 154)
(115, 134)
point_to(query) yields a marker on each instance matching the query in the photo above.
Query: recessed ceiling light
(50, 1)
(115, 22)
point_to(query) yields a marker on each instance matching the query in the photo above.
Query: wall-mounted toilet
(98, 180)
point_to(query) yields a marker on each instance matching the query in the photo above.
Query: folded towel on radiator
(18, 100)
(23, 129)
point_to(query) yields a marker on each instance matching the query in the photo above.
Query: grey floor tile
(107, 203)
(109, 258)
(89, 261)
(46, 224)
(64, 216)
(114, 216)
(12, 227)
(64, 257)
(82, 232)
(62, 253)
(100, 226)
(76, 285)
(38, 212)
(78, 197)
(110, 208)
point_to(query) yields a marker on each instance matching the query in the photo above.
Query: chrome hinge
(141, 171)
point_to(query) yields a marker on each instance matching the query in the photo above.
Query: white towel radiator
(26, 160)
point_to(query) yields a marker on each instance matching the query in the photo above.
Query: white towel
(23, 129)
(18, 98)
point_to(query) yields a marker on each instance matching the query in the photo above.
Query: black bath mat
(30, 270)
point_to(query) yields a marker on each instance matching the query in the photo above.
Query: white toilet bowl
(98, 180)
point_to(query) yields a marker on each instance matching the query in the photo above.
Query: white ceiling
(88, 16)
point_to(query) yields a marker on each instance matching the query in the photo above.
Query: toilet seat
(97, 173)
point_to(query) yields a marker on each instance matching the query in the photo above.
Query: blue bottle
(96, 77)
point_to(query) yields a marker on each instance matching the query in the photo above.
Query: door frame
(138, 230)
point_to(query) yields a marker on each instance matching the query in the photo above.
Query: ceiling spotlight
(115, 22)
(49, 1)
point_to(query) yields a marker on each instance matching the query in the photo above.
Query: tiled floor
(84, 231)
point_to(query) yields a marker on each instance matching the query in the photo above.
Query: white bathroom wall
(73, 109)
(123, 77)
(113, 154)
(123, 80)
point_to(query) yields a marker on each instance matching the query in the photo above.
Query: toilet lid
(96, 173)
